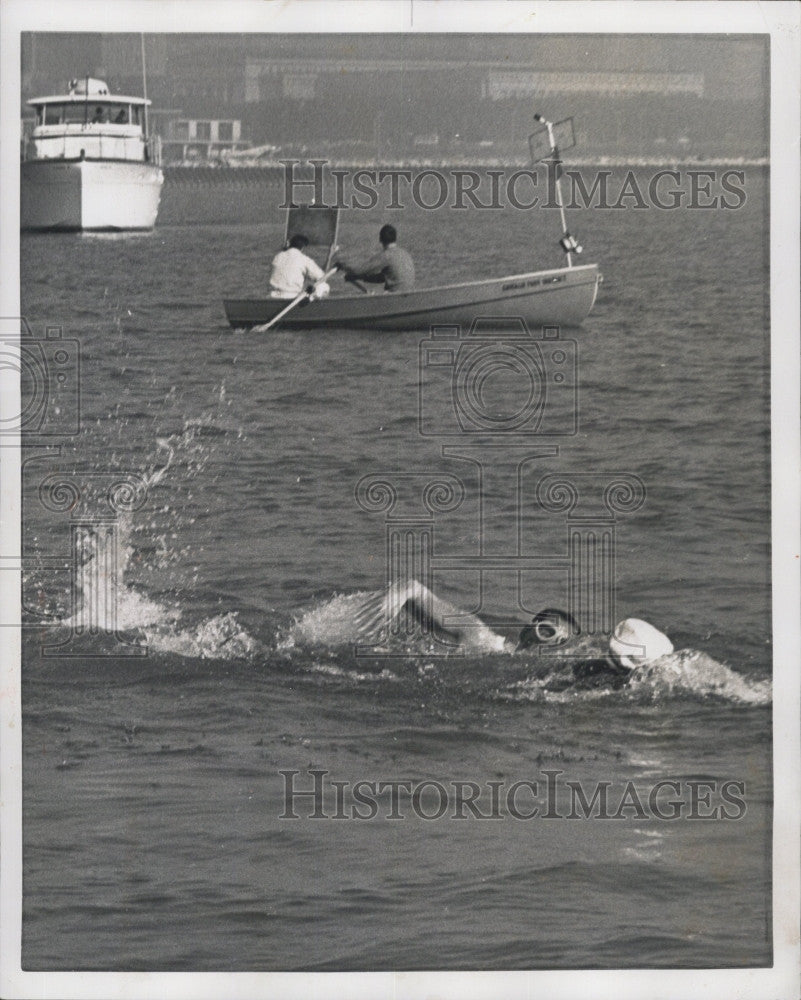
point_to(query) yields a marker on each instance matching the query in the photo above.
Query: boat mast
(144, 80)
(558, 184)
(567, 242)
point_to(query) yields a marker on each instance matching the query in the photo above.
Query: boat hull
(89, 194)
(561, 297)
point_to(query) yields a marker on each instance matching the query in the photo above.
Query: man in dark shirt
(393, 265)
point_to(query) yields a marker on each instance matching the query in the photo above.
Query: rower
(392, 266)
(292, 271)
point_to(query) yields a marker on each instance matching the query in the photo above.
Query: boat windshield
(85, 112)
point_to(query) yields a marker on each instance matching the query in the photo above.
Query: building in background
(201, 140)
(704, 96)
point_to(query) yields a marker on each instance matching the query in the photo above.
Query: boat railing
(153, 149)
(135, 148)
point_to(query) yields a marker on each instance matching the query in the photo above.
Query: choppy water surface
(152, 836)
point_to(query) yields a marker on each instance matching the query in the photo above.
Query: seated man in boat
(392, 266)
(293, 272)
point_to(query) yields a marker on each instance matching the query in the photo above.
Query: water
(152, 837)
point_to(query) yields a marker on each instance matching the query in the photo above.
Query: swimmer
(633, 644)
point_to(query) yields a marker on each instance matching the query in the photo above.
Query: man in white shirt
(292, 272)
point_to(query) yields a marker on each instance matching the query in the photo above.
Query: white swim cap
(635, 643)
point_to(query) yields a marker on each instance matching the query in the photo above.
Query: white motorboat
(89, 163)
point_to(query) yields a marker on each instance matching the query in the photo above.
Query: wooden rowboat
(560, 297)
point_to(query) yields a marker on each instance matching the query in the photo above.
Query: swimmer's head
(636, 643)
(550, 627)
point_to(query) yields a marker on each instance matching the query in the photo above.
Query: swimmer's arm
(432, 612)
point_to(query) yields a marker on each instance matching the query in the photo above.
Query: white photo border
(782, 21)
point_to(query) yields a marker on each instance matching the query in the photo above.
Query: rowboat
(560, 297)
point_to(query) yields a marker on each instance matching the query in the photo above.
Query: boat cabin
(89, 123)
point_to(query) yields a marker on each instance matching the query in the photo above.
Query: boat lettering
(512, 285)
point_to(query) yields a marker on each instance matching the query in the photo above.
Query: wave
(364, 619)
(106, 603)
(684, 673)
(404, 632)
(328, 640)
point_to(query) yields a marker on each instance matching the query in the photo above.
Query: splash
(106, 553)
(692, 672)
(347, 619)
(331, 623)
(407, 615)
(360, 676)
(219, 638)
(687, 672)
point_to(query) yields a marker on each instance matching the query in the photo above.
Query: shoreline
(219, 167)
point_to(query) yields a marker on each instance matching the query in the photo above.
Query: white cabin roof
(88, 99)
(88, 90)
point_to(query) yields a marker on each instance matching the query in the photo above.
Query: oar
(358, 284)
(264, 327)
